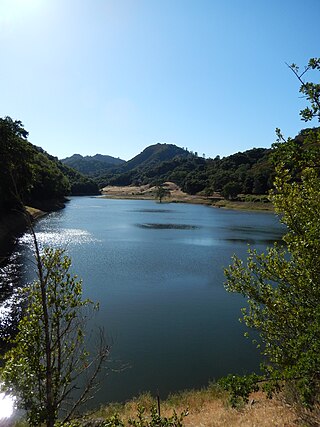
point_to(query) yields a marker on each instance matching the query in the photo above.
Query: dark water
(157, 271)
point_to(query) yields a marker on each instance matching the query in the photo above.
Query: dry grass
(209, 408)
(178, 196)
(261, 413)
(249, 206)
(148, 192)
(35, 213)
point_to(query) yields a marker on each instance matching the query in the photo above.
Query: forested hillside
(92, 165)
(31, 176)
(249, 172)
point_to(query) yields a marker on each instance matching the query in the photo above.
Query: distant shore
(145, 192)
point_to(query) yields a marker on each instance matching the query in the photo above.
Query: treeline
(29, 175)
(250, 172)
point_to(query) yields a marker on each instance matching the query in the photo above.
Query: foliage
(15, 157)
(239, 387)
(48, 358)
(156, 420)
(92, 165)
(141, 420)
(231, 190)
(282, 285)
(48, 182)
(310, 90)
(162, 192)
(79, 184)
(29, 175)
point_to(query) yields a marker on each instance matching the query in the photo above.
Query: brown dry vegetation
(209, 408)
(149, 192)
(146, 192)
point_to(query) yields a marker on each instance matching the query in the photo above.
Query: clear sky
(114, 76)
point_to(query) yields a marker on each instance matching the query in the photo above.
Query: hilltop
(92, 165)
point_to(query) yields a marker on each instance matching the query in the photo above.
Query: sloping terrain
(92, 165)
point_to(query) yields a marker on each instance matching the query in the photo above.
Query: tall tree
(15, 158)
(282, 285)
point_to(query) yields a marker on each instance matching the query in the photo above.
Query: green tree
(161, 192)
(231, 190)
(27, 173)
(48, 357)
(282, 285)
(15, 158)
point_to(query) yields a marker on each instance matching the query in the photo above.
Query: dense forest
(92, 165)
(31, 176)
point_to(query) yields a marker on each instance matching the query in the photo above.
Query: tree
(27, 173)
(48, 357)
(161, 192)
(282, 285)
(15, 158)
(231, 190)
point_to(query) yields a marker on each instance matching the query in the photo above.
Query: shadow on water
(254, 241)
(158, 226)
(152, 210)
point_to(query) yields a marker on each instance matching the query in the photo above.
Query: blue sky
(114, 76)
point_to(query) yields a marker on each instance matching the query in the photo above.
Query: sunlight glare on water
(63, 237)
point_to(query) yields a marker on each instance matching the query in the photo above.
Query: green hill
(29, 175)
(153, 155)
(92, 165)
(150, 166)
(250, 172)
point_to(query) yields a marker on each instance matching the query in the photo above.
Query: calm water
(157, 271)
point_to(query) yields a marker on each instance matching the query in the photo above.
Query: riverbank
(145, 192)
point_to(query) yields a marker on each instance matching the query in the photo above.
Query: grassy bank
(243, 205)
(207, 407)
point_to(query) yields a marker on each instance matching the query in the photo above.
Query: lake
(157, 272)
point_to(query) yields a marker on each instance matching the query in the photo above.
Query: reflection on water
(168, 226)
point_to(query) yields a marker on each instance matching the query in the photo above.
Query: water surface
(157, 271)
